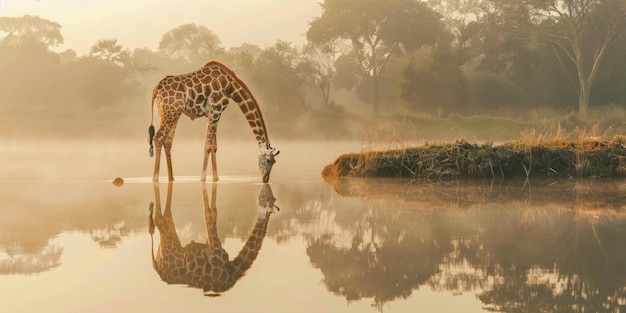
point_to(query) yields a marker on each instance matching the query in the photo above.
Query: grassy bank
(586, 156)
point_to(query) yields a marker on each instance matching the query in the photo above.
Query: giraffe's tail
(151, 128)
(151, 228)
(150, 137)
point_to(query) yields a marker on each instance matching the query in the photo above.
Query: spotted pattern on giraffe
(205, 92)
(205, 265)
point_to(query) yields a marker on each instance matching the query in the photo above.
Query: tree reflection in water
(38, 213)
(20, 261)
(111, 235)
(552, 247)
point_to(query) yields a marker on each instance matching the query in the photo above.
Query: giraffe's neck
(256, 122)
(237, 90)
(251, 248)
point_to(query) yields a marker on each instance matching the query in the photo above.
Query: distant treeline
(437, 57)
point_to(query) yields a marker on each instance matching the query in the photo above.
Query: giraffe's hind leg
(158, 142)
(168, 153)
(164, 138)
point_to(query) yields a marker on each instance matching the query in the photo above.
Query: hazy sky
(141, 23)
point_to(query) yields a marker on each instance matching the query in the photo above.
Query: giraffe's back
(203, 92)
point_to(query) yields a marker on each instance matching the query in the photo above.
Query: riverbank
(562, 158)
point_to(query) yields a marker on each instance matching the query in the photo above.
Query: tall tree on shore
(376, 29)
(320, 69)
(580, 32)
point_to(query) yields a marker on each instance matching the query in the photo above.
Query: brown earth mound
(590, 157)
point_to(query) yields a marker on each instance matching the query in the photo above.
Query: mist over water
(354, 245)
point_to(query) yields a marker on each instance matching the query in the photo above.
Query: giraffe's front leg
(214, 163)
(168, 158)
(157, 161)
(210, 148)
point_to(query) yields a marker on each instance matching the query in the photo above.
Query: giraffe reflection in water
(205, 265)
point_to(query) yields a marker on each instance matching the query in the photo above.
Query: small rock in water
(119, 182)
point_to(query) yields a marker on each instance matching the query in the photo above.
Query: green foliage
(112, 86)
(490, 91)
(111, 52)
(30, 28)
(348, 72)
(440, 83)
(194, 44)
(28, 69)
(376, 29)
(276, 74)
(406, 22)
(493, 59)
(581, 33)
(28, 72)
(319, 69)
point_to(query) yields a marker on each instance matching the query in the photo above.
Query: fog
(70, 69)
(141, 23)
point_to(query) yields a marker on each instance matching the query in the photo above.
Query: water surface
(71, 241)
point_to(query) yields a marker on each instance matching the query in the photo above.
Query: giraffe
(205, 92)
(205, 265)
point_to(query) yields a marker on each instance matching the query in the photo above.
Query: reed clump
(582, 155)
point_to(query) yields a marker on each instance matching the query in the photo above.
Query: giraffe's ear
(277, 152)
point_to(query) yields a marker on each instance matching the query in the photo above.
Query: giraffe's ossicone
(205, 93)
(205, 265)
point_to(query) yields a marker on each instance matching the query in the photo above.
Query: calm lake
(71, 241)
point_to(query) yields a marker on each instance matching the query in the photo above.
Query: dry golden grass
(546, 152)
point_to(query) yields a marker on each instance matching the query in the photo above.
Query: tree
(242, 58)
(143, 60)
(347, 72)
(439, 83)
(20, 29)
(376, 29)
(25, 57)
(195, 44)
(276, 73)
(611, 79)
(98, 85)
(27, 65)
(460, 17)
(580, 31)
(505, 57)
(105, 76)
(111, 52)
(320, 69)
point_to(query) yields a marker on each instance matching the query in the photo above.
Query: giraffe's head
(266, 161)
(266, 200)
